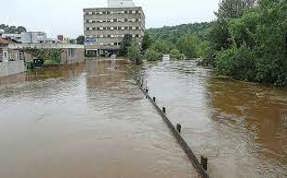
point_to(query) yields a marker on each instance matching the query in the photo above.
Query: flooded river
(241, 127)
(92, 121)
(84, 121)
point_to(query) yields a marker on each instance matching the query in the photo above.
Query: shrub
(152, 55)
(175, 54)
(237, 62)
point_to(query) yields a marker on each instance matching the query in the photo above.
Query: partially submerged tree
(134, 52)
(125, 44)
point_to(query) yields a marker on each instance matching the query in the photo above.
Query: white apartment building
(105, 28)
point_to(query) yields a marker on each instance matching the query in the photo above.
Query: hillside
(173, 33)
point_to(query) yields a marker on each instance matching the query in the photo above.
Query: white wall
(11, 68)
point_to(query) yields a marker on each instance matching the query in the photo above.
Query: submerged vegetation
(248, 41)
(50, 56)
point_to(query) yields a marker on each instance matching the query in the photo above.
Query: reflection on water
(241, 127)
(91, 120)
(87, 120)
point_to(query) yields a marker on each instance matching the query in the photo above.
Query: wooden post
(203, 161)
(164, 110)
(178, 128)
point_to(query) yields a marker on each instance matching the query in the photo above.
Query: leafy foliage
(189, 39)
(12, 29)
(175, 54)
(152, 55)
(147, 42)
(80, 39)
(253, 45)
(126, 43)
(134, 52)
(50, 56)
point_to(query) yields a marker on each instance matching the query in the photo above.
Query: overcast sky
(66, 16)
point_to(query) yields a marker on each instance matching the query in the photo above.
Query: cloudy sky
(66, 17)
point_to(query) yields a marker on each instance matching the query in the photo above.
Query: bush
(238, 63)
(175, 54)
(152, 55)
(134, 52)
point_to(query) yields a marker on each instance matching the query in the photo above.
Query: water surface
(241, 127)
(89, 121)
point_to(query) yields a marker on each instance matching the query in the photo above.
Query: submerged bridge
(201, 167)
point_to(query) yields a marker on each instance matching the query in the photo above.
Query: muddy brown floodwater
(84, 121)
(241, 127)
(92, 121)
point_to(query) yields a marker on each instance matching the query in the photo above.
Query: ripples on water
(240, 126)
(83, 121)
(92, 121)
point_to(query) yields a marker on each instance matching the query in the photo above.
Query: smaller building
(70, 53)
(14, 37)
(33, 37)
(11, 60)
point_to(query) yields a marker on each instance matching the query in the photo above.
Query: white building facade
(105, 28)
(33, 37)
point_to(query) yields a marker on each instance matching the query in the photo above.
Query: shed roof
(3, 41)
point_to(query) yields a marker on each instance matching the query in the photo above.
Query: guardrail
(201, 168)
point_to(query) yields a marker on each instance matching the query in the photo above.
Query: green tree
(147, 41)
(12, 29)
(152, 55)
(80, 39)
(125, 44)
(134, 52)
(233, 8)
(176, 54)
(162, 46)
(258, 45)
(188, 45)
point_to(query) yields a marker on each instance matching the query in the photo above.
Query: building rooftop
(3, 41)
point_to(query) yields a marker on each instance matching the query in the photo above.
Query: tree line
(248, 41)
(12, 29)
(186, 41)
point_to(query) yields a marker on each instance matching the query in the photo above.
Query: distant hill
(12, 29)
(173, 33)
